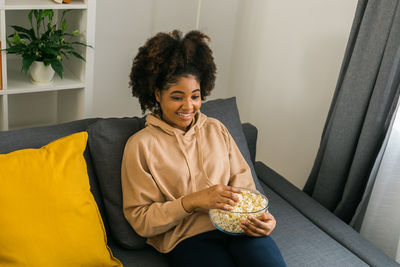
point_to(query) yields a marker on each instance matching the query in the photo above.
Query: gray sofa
(307, 233)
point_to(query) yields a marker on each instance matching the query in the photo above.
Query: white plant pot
(41, 74)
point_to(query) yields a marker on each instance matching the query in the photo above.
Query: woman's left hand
(259, 227)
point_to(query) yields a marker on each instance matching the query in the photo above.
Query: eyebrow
(181, 92)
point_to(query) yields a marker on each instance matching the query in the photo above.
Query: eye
(195, 97)
(176, 98)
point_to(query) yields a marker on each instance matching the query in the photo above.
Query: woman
(183, 163)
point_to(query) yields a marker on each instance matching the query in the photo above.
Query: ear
(158, 95)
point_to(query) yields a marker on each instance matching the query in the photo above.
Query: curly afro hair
(166, 57)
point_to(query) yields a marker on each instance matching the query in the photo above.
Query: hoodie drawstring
(200, 154)
(191, 173)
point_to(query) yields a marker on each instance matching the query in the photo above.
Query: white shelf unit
(24, 104)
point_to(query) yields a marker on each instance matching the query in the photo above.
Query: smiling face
(180, 102)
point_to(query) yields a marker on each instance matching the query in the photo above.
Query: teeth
(184, 114)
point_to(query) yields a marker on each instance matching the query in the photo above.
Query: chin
(186, 125)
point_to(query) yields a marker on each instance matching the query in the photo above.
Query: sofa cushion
(146, 257)
(301, 242)
(49, 207)
(323, 218)
(107, 138)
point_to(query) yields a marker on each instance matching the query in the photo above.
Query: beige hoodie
(161, 164)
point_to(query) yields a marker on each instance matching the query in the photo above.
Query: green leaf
(51, 29)
(48, 13)
(64, 25)
(41, 17)
(37, 15)
(30, 17)
(17, 39)
(63, 14)
(14, 50)
(30, 20)
(64, 54)
(47, 33)
(77, 55)
(51, 15)
(83, 44)
(46, 62)
(66, 46)
(29, 32)
(57, 67)
(50, 51)
(27, 62)
(19, 28)
(68, 34)
(21, 35)
(56, 35)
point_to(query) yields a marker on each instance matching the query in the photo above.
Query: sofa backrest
(103, 161)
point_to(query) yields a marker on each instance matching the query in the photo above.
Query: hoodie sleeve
(240, 173)
(144, 205)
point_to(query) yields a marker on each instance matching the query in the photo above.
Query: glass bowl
(251, 203)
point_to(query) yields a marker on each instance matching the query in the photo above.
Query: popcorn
(249, 204)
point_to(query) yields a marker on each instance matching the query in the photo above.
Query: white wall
(279, 58)
(285, 64)
(122, 28)
(218, 20)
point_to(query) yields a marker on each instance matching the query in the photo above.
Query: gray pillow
(107, 138)
(226, 111)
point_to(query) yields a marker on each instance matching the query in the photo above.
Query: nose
(188, 104)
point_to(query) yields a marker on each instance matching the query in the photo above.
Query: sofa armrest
(251, 133)
(323, 218)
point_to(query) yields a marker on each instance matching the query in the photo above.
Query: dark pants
(218, 249)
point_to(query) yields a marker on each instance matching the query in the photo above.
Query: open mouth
(185, 116)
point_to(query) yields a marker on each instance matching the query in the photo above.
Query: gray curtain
(362, 105)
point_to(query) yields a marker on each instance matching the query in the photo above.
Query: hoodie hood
(155, 120)
(183, 139)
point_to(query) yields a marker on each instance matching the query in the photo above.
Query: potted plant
(43, 45)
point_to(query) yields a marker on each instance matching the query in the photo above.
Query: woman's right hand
(215, 197)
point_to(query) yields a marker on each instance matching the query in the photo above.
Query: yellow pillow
(48, 216)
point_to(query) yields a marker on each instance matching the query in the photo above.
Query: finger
(230, 195)
(267, 216)
(255, 229)
(269, 219)
(266, 225)
(233, 189)
(248, 231)
(256, 222)
(228, 201)
(223, 206)
(263, 218)
(224, 191)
